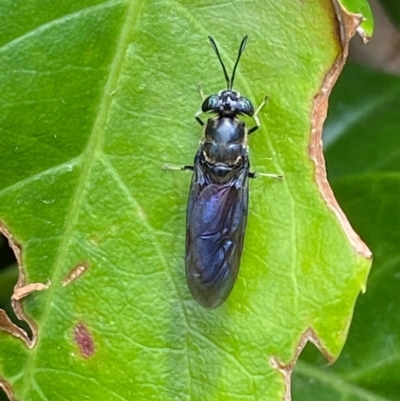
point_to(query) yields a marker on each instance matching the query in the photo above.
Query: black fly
(219, 193)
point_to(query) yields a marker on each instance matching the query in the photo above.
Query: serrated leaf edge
(286, 369)
(347, 27)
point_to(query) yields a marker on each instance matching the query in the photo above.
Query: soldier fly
(219, 192)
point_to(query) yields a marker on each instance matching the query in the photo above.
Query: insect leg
(255, 116)
(200, 88)
(270, 175)
(172, 167)
(196, 116)
(198, 119)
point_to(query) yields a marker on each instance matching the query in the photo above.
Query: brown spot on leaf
(22, 292)
(7, 389)
(75, 272)
(348, 24)
(5, 323)
(84, 340)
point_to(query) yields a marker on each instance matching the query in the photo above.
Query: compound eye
(245, 106)
(211, 103)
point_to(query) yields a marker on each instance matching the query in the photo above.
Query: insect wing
(216, 222)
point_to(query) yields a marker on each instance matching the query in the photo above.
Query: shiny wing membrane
(216, 222)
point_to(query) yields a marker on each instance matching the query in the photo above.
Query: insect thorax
(225, 141)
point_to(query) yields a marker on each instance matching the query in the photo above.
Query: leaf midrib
(88, 159)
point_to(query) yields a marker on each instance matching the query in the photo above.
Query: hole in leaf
(7, 257)
(3, 396)
(8, 280)
(6, 391)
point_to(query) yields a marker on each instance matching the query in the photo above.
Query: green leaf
(95, 98)
(361, 132)
(368, 368)
(362, 8)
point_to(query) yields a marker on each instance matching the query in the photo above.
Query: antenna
(241, 50)
(215, 48)
(242, 46)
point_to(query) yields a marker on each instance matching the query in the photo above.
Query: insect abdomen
(214, 241)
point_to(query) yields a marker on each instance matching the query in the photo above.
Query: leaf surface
(362, 141)
(95, 98)
(368, 368)
(361, 7)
